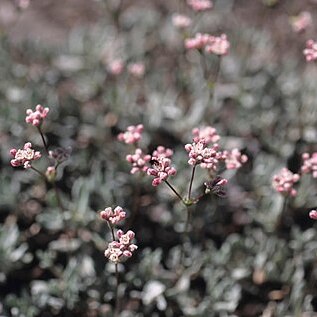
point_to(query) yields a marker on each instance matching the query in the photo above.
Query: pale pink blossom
(136, 69)
(37, 116)
(208, 134)
(218, 45)
(181, 21)
(24, 156)
(301, 22)
(162, 151)
(313, 214)
(310, 51)
(132, 135)
(116, 67)
(161, 169)
(234, 159)
(113, 216)
(200, 154)
(23, 4)
(122, 249)
(200, 5)
(199, 41)
(284, 181)
(309, 164)
(138, 161)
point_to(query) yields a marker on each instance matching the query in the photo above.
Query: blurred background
(245, 257)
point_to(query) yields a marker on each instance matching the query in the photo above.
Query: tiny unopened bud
(50, 174)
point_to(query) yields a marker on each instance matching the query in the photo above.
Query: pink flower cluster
(181, 21)
(301, 22)
(284, 181)
(138, 161)
(209, 134)
(234, 159)
(136, 69)
(310, 51)
(36, 117)
(133, 134)
(113, 216)
(122, 249)
(162, 151)
(24, 156)
(313, 214)
(117, 66)
(218, 45)
(161, 169)
(309, 164)
(200, 5)
(200, 154)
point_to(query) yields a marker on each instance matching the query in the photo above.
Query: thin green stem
(43, 140)
(175, 192)
(37, 171)
(58, 197)
(191, 182)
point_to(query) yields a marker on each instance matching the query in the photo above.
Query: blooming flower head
(113, 216)
(116, 67)
(200, 154)
(198, 42)
(122, 249)
(161, 169)
(313, 214)
(181, 21)
(284, 181)
(138, 161)
(162, 151)
(310, 51)
(136, 69)
(37, 116)
(234, 159)
(24, 156)
(218, 45)
(208, 134)
(132, 135)
(309, 164)
(200, 5)
(301, 22)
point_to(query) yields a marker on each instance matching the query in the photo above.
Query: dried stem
(43, 140)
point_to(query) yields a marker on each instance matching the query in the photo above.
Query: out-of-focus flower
(161, 169)
(216, 186)
(136, 69)
(200, 154)
(181, 21)
(162, 151)
(22, 4)
(24, 156)
(37, 116)
(200, 5)
(234, 159)
(138, 161)
(132, 135)
(116, 67)
(122, 249)
(313, 214)
(310, 51)
(301, 22)
(309, 164)
(284, 181)
(218, 45)
(60, 154)
(208, 134)
(199, 41)
(113, 216)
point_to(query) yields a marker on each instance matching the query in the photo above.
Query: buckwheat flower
(284, 181)
(301, 22)
(60, 154)
(113, 216)
(181, 21)
(37, 116)
(216, 186)
(313, 214)
(218, 45)
(116, 67)
(138, 161)
(200, 154)
(161, 169)
(50, 173)
(310, 51)
(24, 156)
(309, 164)
(200, 5)
(208, 134)
(162, 151)
(136, 69)
(132, 135)
(234, 159)
(198, 42)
